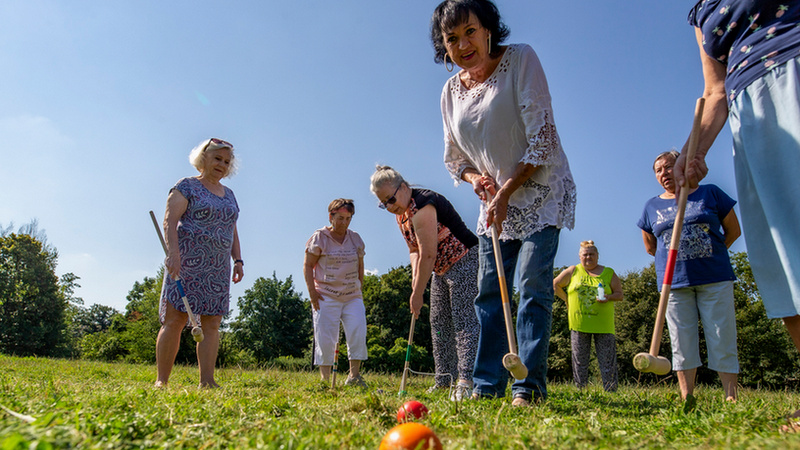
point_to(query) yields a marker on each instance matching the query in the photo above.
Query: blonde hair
(588, 245)
(197, 157)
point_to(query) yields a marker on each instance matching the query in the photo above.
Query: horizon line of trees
(40, 316)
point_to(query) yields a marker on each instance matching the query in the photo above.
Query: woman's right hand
(315, 299)
(173, 265)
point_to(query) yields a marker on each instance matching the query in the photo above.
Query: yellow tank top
(586, 314)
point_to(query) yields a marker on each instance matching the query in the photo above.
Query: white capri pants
(711, 304)
(353, 317)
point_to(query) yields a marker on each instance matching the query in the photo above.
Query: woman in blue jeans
(500, 136)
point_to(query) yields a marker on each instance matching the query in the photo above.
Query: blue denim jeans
(534, 257)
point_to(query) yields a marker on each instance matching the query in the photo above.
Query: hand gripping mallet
(408, 357)
(197, 332)
(651, 362)
(511, 360)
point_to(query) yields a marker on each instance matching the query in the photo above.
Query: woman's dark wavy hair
(451, 13)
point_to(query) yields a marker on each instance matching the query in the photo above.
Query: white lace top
(506, 120)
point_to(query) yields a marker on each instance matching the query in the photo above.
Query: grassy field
(60, 403)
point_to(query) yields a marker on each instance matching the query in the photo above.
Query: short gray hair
(663, 155)
(197, 156)
(385, 175)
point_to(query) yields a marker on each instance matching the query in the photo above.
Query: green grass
(98, 405)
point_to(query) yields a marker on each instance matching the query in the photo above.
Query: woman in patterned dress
(201, 237)
(702, 283)
(441, 244)
(591, 316)
(500, 136)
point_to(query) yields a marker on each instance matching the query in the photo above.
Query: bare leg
(325, 372)
(355, 367)
(168, 342)
(793, 327)
(729, 385)
(207, 350)
(686, 381)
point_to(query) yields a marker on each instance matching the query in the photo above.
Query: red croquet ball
(410, 436)
(411, 410)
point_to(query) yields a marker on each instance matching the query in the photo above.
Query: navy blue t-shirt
(702, 257)
(750, 37)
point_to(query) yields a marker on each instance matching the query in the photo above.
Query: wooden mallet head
(513, 364)
(647, 363)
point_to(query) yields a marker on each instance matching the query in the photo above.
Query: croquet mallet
(511, 360)
(408, 358)
(197, 331)
(651, 362)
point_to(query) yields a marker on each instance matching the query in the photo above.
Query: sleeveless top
(586, 314)
(453, 237)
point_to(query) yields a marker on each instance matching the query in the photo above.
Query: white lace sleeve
(544, 147)
(455, 161)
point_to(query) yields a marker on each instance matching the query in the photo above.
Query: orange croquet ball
(411, 435)
(411, 410)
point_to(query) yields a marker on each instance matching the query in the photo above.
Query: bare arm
(425, 229)
(715, 114)
(730, 228)
(236, 254)
(176, 207)
(562, 281)
(650, 243)
(616, 289)
(309, 262)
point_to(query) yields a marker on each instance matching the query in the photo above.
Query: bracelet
(239, 261)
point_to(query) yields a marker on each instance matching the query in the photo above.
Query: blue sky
(102, 101)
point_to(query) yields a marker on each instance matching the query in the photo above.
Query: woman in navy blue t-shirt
(702, 284)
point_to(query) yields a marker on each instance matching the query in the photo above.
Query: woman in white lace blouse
(500, 136)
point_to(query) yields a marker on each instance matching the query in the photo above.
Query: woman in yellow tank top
(589, 290)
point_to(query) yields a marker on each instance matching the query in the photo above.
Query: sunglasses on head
(219, 142)
(391, 200)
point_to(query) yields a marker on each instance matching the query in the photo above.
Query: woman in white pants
(334, 270)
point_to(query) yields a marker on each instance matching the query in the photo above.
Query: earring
(452, 64)
(490, 44)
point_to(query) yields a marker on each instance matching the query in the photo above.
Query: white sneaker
(356, 381)
(463, 391)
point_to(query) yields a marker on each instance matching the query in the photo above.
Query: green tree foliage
(31, 305)
(273, 320)
(132, 336)
(389, 320)
(767, 356)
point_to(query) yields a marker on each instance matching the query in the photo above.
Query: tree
(273, 320)
(388, 321)
(31, 305)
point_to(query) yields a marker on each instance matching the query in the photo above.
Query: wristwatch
(239, 261)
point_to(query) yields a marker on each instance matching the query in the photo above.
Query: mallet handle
(677, 228)
(192, 318)
(501, 276)
(408, 355)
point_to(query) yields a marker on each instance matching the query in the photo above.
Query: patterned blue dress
(205, 240)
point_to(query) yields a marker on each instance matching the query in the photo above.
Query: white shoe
(463, 391)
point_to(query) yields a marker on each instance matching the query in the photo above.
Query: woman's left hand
(238, 273)
(497, 210)
(415, 302)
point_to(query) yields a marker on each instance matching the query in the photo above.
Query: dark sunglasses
(391, 200)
